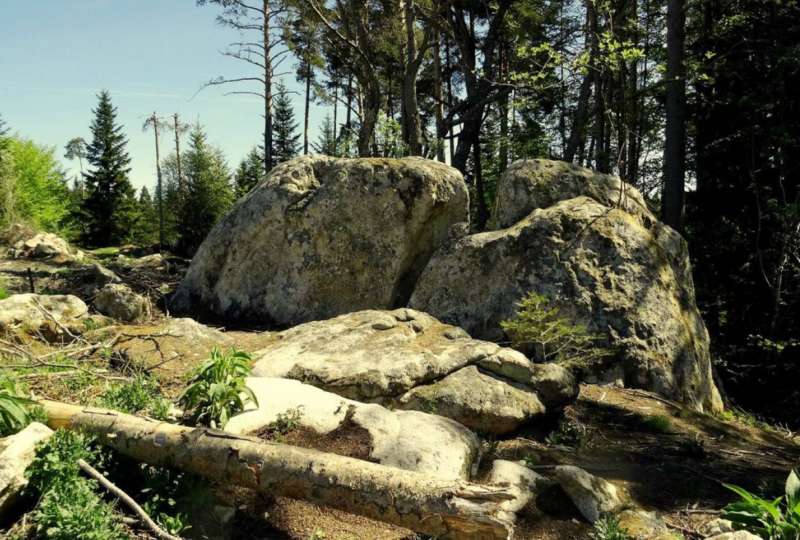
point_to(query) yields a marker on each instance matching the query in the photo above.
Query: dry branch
(124, 497)
(420, 502)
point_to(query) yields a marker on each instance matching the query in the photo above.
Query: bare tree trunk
(307, 108)
(438, 98)
(482, 210)
(451, 137)
(675, 131)
(154, 118)
(421, 502)
(412, 125)
(335, 116)
(267, 89)
(503, 150)
(177, 128)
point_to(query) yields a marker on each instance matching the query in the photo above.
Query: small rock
(716, 527)
(642, 525)
(103, 276)
(120, 302)
(738, 535)
(41, 245)
(16, 453)
(591, 495)
(525, 484)
(30, 311)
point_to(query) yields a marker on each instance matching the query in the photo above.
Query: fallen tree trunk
(425, 504)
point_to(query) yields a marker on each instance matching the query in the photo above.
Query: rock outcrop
(410, 360)
(613, 268)
(409, 440)
(323, 236)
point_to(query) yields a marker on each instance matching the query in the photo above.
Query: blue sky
(153, 55)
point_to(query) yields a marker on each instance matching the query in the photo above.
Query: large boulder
(409, 440)
(323, 236)
(408, 359)
(622, 274)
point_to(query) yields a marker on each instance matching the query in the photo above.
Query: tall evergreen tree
(285, 140)
(110, 206)
(208, 192)
(250, 172)
(146, 231)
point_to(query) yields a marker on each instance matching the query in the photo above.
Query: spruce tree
(146, 230)
(208, 192)
(326, 143)
(285, 140)
(110, 206)
(250, 172)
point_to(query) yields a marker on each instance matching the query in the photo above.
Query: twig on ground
(56, 321)
(124, 497)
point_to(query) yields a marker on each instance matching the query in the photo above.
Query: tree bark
(438, 97)
(420, 502)
(412, 125)
(675, 131)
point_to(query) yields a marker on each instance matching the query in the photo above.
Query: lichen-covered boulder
(621, 274)
(410, 360)
(323, 236)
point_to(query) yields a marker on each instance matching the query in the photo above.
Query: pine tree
(208, 192)
(250, 172)
(110, 206)
(146, 230)
(325, 143)
(286, 140)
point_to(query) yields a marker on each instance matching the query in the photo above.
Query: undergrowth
(609, 528)
(69, 505)
(141, 395)
(16, 410)
(775, 519)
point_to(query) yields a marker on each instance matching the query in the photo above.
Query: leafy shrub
(141, 395)
(16, 411)
(171, 494)
(56, 460)
(608, 528)
(74, 510)
(540, 329)
(69, 507)
(217, 389)
(777, 519)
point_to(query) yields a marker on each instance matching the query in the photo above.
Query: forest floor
(668, 458)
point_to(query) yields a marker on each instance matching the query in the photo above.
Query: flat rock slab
(408, 440)
(408, 359)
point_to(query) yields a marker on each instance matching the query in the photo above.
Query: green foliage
(217, 389)
(32, 186)
(568, 433)
(285, 139)
(539, 327)
(69, 506)
(171, 495)
(74, 510)
(3, 291)
(658, 423)
(326, 141)
(16, 411)
(110, 207)
(777, 519)
(608, 528)
(250, 172)
(56, 460)
(139, 396)
(208, 194)
(389, 137)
